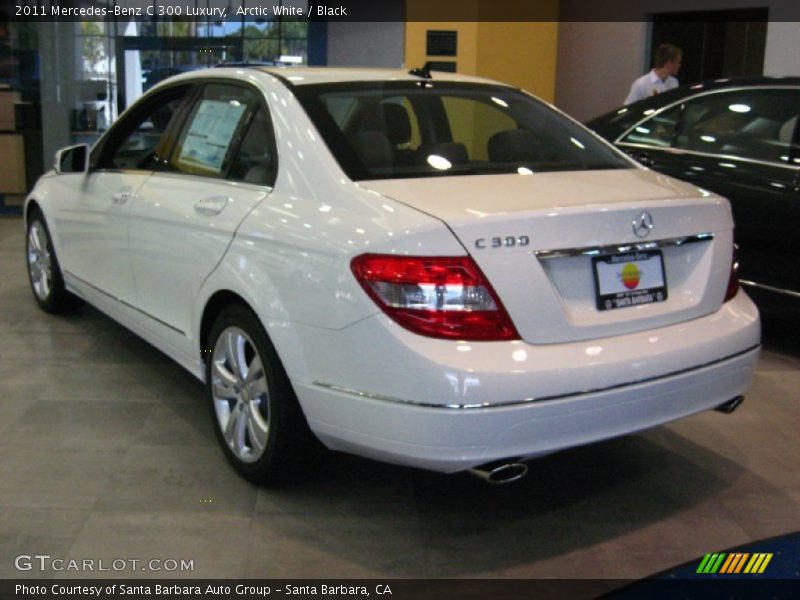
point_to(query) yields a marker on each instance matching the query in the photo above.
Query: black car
(739, 138)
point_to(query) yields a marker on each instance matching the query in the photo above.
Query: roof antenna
(424, 72)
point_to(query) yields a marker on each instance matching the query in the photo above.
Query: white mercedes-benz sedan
(436, 271)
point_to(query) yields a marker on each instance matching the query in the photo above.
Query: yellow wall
(522, 53)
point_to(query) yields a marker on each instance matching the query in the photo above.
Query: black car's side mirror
(72, 159)
(641, 157)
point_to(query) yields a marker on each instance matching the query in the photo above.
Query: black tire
(43, 266)
(290, 446)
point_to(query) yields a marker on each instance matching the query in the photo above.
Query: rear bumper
(453, 440)
(580, 393)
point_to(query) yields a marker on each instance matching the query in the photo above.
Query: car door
(736, 143)
(92, 220)
(222, 164)
(794, 157)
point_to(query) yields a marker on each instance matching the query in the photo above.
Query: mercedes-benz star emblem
(642, 224)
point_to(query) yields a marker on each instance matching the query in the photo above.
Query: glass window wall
(115, 63)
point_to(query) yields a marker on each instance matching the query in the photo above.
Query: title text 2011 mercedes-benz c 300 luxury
(438, 272)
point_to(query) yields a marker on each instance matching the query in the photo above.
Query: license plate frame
(644, 280)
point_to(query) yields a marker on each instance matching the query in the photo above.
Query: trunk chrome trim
(492, 405)
(623, 248)
(770, 288)
(121, 301)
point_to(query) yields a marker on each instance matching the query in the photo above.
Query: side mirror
(642, 157)
(72, 159)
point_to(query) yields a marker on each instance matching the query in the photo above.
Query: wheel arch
(216, 303)
(31, 205)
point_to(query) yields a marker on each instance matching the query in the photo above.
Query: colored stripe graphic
(734, 560)
(753, 564)
(758, 563)
(702, 567)
(730, 564)
(740, 564)
(711, 563)
(765, 563)
(727, 564)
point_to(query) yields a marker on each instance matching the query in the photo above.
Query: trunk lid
(536, 237)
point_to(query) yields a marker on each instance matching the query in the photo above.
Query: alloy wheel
(39, 261)
(241, 396)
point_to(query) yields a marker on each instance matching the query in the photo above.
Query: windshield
(423, 129)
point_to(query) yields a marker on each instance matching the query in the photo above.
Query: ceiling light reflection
(439, 162)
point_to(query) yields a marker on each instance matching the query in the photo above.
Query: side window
(212, 130)
(756, 124)
(138, 140)
(657, 131)
(256, 160)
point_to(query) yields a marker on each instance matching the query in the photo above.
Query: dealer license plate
(629, 279)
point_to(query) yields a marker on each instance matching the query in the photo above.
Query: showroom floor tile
(216, 543)
(31, 531)
(107, 451)
(323, 545)
(186, 479)
(56, 478)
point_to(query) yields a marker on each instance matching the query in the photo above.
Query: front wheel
(44, 271)
(257, 419)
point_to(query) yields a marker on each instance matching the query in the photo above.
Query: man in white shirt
(661, 78)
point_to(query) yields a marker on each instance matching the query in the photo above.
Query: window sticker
(210, 134)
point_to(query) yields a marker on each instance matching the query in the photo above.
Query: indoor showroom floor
(107, 452)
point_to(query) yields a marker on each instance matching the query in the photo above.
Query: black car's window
(256, 159)
(212, 130)
(422, 129)
(658, 131)
(755, 124)
(137, 141)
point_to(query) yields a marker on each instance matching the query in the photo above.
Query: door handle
(121, 197)
(210, 207)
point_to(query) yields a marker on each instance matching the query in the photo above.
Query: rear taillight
(441, 297)
(733, 282)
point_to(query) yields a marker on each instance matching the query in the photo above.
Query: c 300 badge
(509, 241)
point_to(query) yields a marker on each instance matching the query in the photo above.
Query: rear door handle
(210, 207)
(121, 197)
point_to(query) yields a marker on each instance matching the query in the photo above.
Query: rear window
(423, 129)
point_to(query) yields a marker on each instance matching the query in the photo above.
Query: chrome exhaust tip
(498, 473)
(731, 405)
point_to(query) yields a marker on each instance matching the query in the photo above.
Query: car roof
(312, 75)
(719, 84)
(301, 76)
(744, 81)
(725, 83)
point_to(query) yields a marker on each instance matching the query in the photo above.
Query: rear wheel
(257, 419)
(44, 271)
